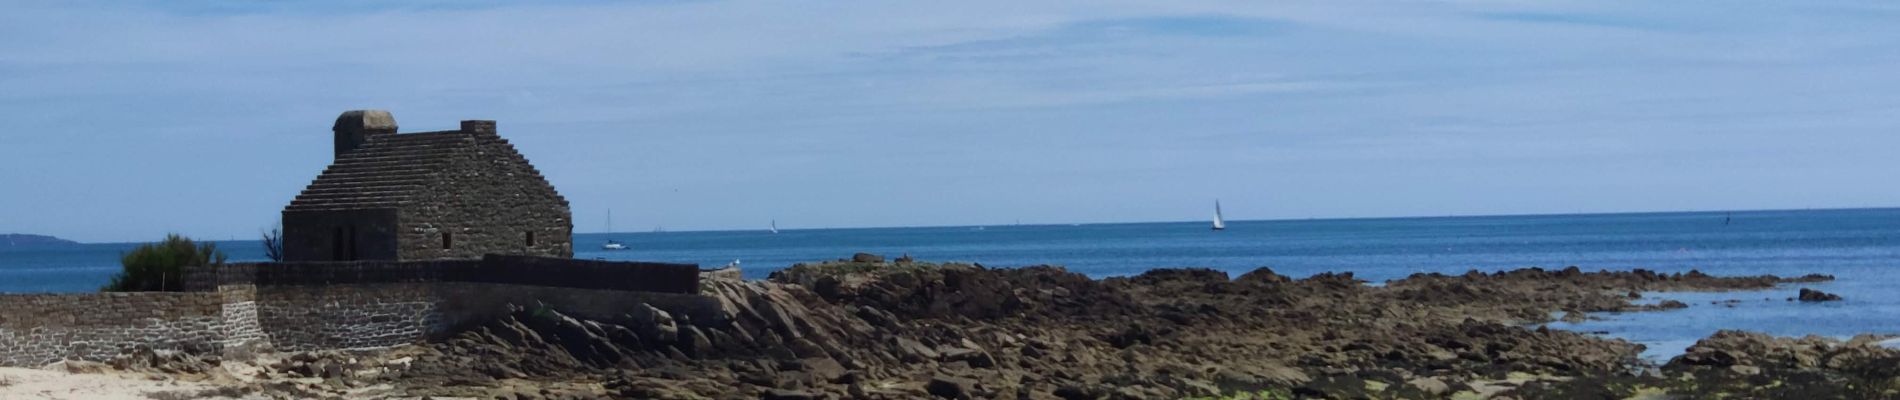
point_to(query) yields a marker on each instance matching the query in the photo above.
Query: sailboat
(1219, 224)
(612, 244)
(775, 226)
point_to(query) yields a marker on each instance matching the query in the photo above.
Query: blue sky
(121, 121)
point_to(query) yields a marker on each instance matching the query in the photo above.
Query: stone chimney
(355, 127)
(478, 126)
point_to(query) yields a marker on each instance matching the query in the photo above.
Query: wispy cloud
(712, 114)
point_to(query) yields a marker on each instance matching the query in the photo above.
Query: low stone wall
(298, 318)
(516, 270)
(585, 274)
(465, 304)
(242, 330)
(357, 316)
(241, 308)
(37, 329)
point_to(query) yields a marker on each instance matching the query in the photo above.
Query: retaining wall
(37, 329)
(312, 306)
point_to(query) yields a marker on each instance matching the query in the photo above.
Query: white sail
(611, 244)
(775, 226)
(1219, 224)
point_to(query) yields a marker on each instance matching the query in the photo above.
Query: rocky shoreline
(866, 328)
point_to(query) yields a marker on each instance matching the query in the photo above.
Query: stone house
(455, 194)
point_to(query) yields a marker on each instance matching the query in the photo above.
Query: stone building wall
(457, 194)
(37, 329)
(489, 201)
(340, 235)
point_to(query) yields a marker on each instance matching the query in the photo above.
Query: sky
(123, 121)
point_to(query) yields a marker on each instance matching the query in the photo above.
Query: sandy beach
(56, 383)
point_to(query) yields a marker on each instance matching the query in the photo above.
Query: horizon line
(1453, 216)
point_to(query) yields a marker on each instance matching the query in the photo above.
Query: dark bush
(160, 267)
(274, 245)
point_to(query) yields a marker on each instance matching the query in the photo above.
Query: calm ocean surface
(1860, 247)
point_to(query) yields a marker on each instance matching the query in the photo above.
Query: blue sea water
(1860, 247)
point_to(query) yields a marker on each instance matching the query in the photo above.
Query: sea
(1860, 247)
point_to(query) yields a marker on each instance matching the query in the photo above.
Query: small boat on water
(774, 230)
(1219, 224)
(612, 244)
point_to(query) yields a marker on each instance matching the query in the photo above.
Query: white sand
(91, 380)
(22, 383)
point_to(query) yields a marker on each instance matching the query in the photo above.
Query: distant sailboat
(612, 244)
(775, 226)
(1219, 224)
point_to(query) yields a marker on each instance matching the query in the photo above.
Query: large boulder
(950, 387)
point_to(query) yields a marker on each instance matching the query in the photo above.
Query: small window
(337, 250)
(448, 241)
(530, 238)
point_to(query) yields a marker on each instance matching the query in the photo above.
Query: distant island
(19, 240)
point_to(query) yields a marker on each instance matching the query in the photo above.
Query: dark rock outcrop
(1811, 295)
(917, 330)
(1736, 364)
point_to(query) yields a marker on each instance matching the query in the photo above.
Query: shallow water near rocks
(1866, 308)
(1859, 247)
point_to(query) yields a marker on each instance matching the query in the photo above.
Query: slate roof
(386, 172)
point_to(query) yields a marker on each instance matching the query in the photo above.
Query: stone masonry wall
(298, 318)
(464, 304)
(358, 316)
(243, 333)
(340, 235)
(244, 308)
(37, 329)
(488, 201)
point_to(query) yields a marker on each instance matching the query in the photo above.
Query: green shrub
(160, 267)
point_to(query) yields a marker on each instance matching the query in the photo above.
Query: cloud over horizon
(123, 122)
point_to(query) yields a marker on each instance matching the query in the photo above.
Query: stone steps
(368, 182)
(388, 170)
(331, 192)
(407, 161)
(344, 206)
(413, 172)
(353, 196)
